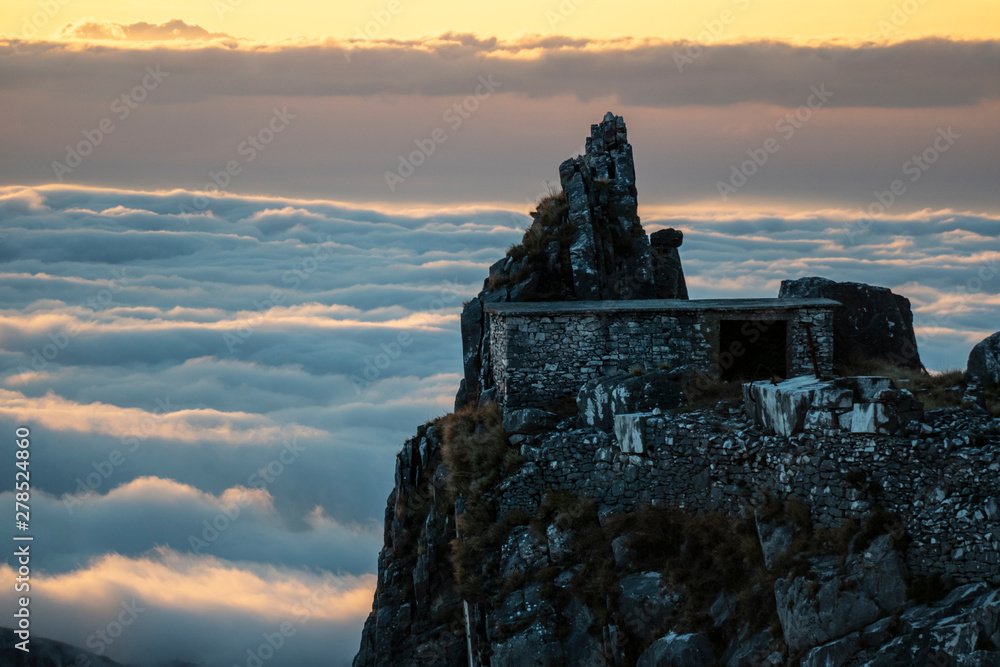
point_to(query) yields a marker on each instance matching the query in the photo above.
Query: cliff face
(646, 524)
(417, 617)
(585, 243)
(883, 551)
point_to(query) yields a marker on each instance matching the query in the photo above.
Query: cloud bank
(141, 31)
(931, 72)
(331, 119)
(216, 397)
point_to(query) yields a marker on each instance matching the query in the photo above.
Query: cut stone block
(630, 433)
(818, 420)
(781, 407)
(866, 388)
(872, 418)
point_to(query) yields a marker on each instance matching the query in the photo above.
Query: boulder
(870, 322)
(835, 654)
(864, 404)
(984, 363)
(837, 600)
(599, 400)
(537, 645)
(622, 552)
(774, 539)
(691, 650)
(522, 605)
(560, 542)
(750, 650)
(522, 552)
(580, 647)
(668, 276)
(630, 432)
(529, 421)
(782, 406)
(644, 603)
(961, 629)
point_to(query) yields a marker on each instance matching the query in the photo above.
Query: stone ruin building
(589, 295)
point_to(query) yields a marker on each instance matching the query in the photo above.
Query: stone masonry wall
(944, 482)
(539, 357)
(812, 327)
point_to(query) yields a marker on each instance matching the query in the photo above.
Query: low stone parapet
(863, 404)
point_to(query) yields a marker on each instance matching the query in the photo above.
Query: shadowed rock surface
(984, 363)
(871, 322)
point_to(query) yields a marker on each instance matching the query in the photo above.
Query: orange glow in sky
(727, 20)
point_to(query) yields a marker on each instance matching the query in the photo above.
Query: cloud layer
(140, 31)
(166, 606)
(154, 115)
(932, 72)
(216, 397)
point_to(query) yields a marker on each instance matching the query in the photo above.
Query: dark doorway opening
(752, 349)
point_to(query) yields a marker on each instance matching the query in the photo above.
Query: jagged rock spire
(609, 245)
(585, 243)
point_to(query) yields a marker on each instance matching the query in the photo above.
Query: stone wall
(545, 351)
(943, 481)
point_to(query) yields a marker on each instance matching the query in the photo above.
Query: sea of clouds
(271, 355)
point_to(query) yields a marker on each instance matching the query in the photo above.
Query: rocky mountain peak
(585, 243)
(650, 520)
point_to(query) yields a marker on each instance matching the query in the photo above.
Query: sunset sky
(215, 215)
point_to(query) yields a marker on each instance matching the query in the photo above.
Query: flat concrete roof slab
(547, 308)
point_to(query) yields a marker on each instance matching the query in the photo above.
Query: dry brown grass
(544, 228)
(476, 450)
(934, 390)
(477, 455)
(551, 223)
